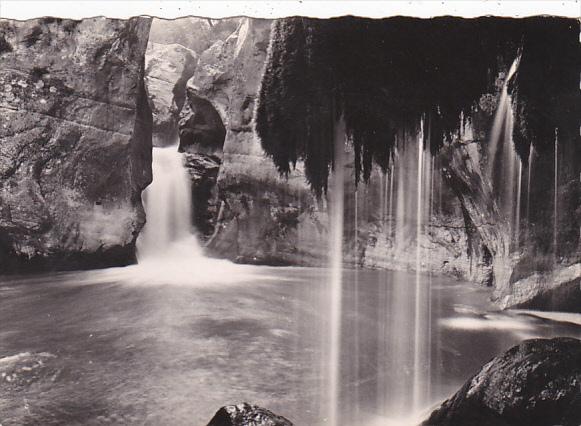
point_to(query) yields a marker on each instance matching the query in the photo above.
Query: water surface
(128, 346)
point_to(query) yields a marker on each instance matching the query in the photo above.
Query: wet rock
(75, 142)
(536, 383)
(167, 70)
(253, 215)
(203, 171)
(557, 289)
(246, 414)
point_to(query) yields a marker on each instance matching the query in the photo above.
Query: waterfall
(503, 170)
(168, 206)
(391, 211)
(518, 201)
(556, 192)
(168, 251)
(418, 323)
(336, 274)
(529, 178)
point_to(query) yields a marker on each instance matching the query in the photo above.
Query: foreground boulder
(537, 383)
(75, 142)
(245, 414)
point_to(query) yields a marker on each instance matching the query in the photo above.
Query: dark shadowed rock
(75, 142)
(537, 383)
(245, 415)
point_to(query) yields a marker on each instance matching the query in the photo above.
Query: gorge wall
(75, 142)
(243, 208)
(245, 211)
(247, 103)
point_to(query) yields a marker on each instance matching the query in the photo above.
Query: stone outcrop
(167, 70)
(75, 142)
(196, 34)
(536, 383)
(246, 414)
(249, 213)
(555, 290)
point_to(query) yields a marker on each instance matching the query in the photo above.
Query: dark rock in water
(203, 170)
(75, 142)
(537, 383)
(245, 414)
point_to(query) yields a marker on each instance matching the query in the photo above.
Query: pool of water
(134, 346)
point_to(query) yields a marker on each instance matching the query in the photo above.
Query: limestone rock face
(253, 214)
(75, 142)
(536, 383)
(245, 414)
(558, 289)
(194, 33)
(167, 70)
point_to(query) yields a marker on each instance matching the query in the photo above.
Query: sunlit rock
(250, 213)
(167, 69)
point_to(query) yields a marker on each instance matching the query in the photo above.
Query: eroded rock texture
(247, 211)
(246, 414)
(167, 70)
(75, 142)
(536, 383)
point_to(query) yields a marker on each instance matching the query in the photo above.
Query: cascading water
(556, 194)
(529, 180)
(167, 249)
(504, 168)
(168, 205)
(421, 292)
(336, 274)
(518, 207)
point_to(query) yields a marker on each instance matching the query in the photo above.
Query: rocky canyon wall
(75, 142)
(81, 101)
(246, 211)
(243, 208)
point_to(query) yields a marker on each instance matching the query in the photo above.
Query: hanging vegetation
(382, 76)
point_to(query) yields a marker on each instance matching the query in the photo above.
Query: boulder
(75, 142)
(536, 383)
(167, 70)
(246, 414)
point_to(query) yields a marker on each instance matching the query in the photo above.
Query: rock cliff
(167, 69)
(75, 142)
(244, 208)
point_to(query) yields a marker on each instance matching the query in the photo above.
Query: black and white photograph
(280, 213)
